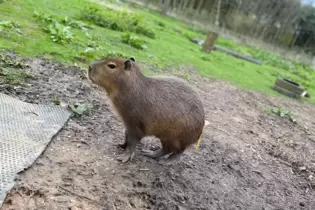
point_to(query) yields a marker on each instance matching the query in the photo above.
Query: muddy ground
(249, 158)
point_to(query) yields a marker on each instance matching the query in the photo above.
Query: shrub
(133, 41)
(117, 20)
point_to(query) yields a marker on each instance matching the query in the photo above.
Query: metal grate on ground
(25, 131)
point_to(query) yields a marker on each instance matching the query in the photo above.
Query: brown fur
(164, 107)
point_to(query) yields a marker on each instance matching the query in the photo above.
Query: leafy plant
(75, 24)
(44, 18)
(59, 33)
(133, 41)
(78, 109)
(56, 101)
(284, 113)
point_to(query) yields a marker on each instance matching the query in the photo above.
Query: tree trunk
(210, 41)
(147, 3)
(164, 6)
(217, 18)
(200, 6)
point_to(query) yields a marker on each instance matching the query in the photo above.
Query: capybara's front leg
(124, 145)
(131, 142)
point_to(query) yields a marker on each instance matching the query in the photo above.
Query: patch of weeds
(186, 77)
(4, 25)
(142, 29)
(284, 113)
(75, 24)
(6, 62)
(91, 48)
(206, 58)
(133, 41)
(59, 32)
(117, 20)
(95, 46)
(79, 110)
(12, 72)
(14, 76)
(116, 54)
(161, 24)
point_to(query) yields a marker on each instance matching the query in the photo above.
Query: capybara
(165, 107)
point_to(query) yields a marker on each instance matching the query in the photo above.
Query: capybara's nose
(90, 68)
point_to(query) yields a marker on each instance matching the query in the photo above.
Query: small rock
(61, 200)
(303, 168)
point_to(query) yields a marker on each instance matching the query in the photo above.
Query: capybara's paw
(126, 157)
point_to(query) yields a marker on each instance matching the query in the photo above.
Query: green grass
(81, 36)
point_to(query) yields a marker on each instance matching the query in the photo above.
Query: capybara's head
(109, 72)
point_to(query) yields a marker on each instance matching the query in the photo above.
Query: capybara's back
(172, 111)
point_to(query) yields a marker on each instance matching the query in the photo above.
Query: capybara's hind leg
(158, 153)
(154, 154)
(173, 158)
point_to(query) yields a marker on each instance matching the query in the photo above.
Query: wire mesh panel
(25, 131)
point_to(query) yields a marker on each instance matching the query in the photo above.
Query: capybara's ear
(133, 59)
(128, 64)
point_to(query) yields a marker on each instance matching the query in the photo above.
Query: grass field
(79, 31)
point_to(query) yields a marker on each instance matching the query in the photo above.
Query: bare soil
(248, 159)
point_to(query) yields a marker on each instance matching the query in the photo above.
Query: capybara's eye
(111, 65)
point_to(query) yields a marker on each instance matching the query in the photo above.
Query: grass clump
(133, 41)
(161, 24)
(117, 20)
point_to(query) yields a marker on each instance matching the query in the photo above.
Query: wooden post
(210, 41)
(313, 63)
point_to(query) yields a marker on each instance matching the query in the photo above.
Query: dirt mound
(248, 158)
